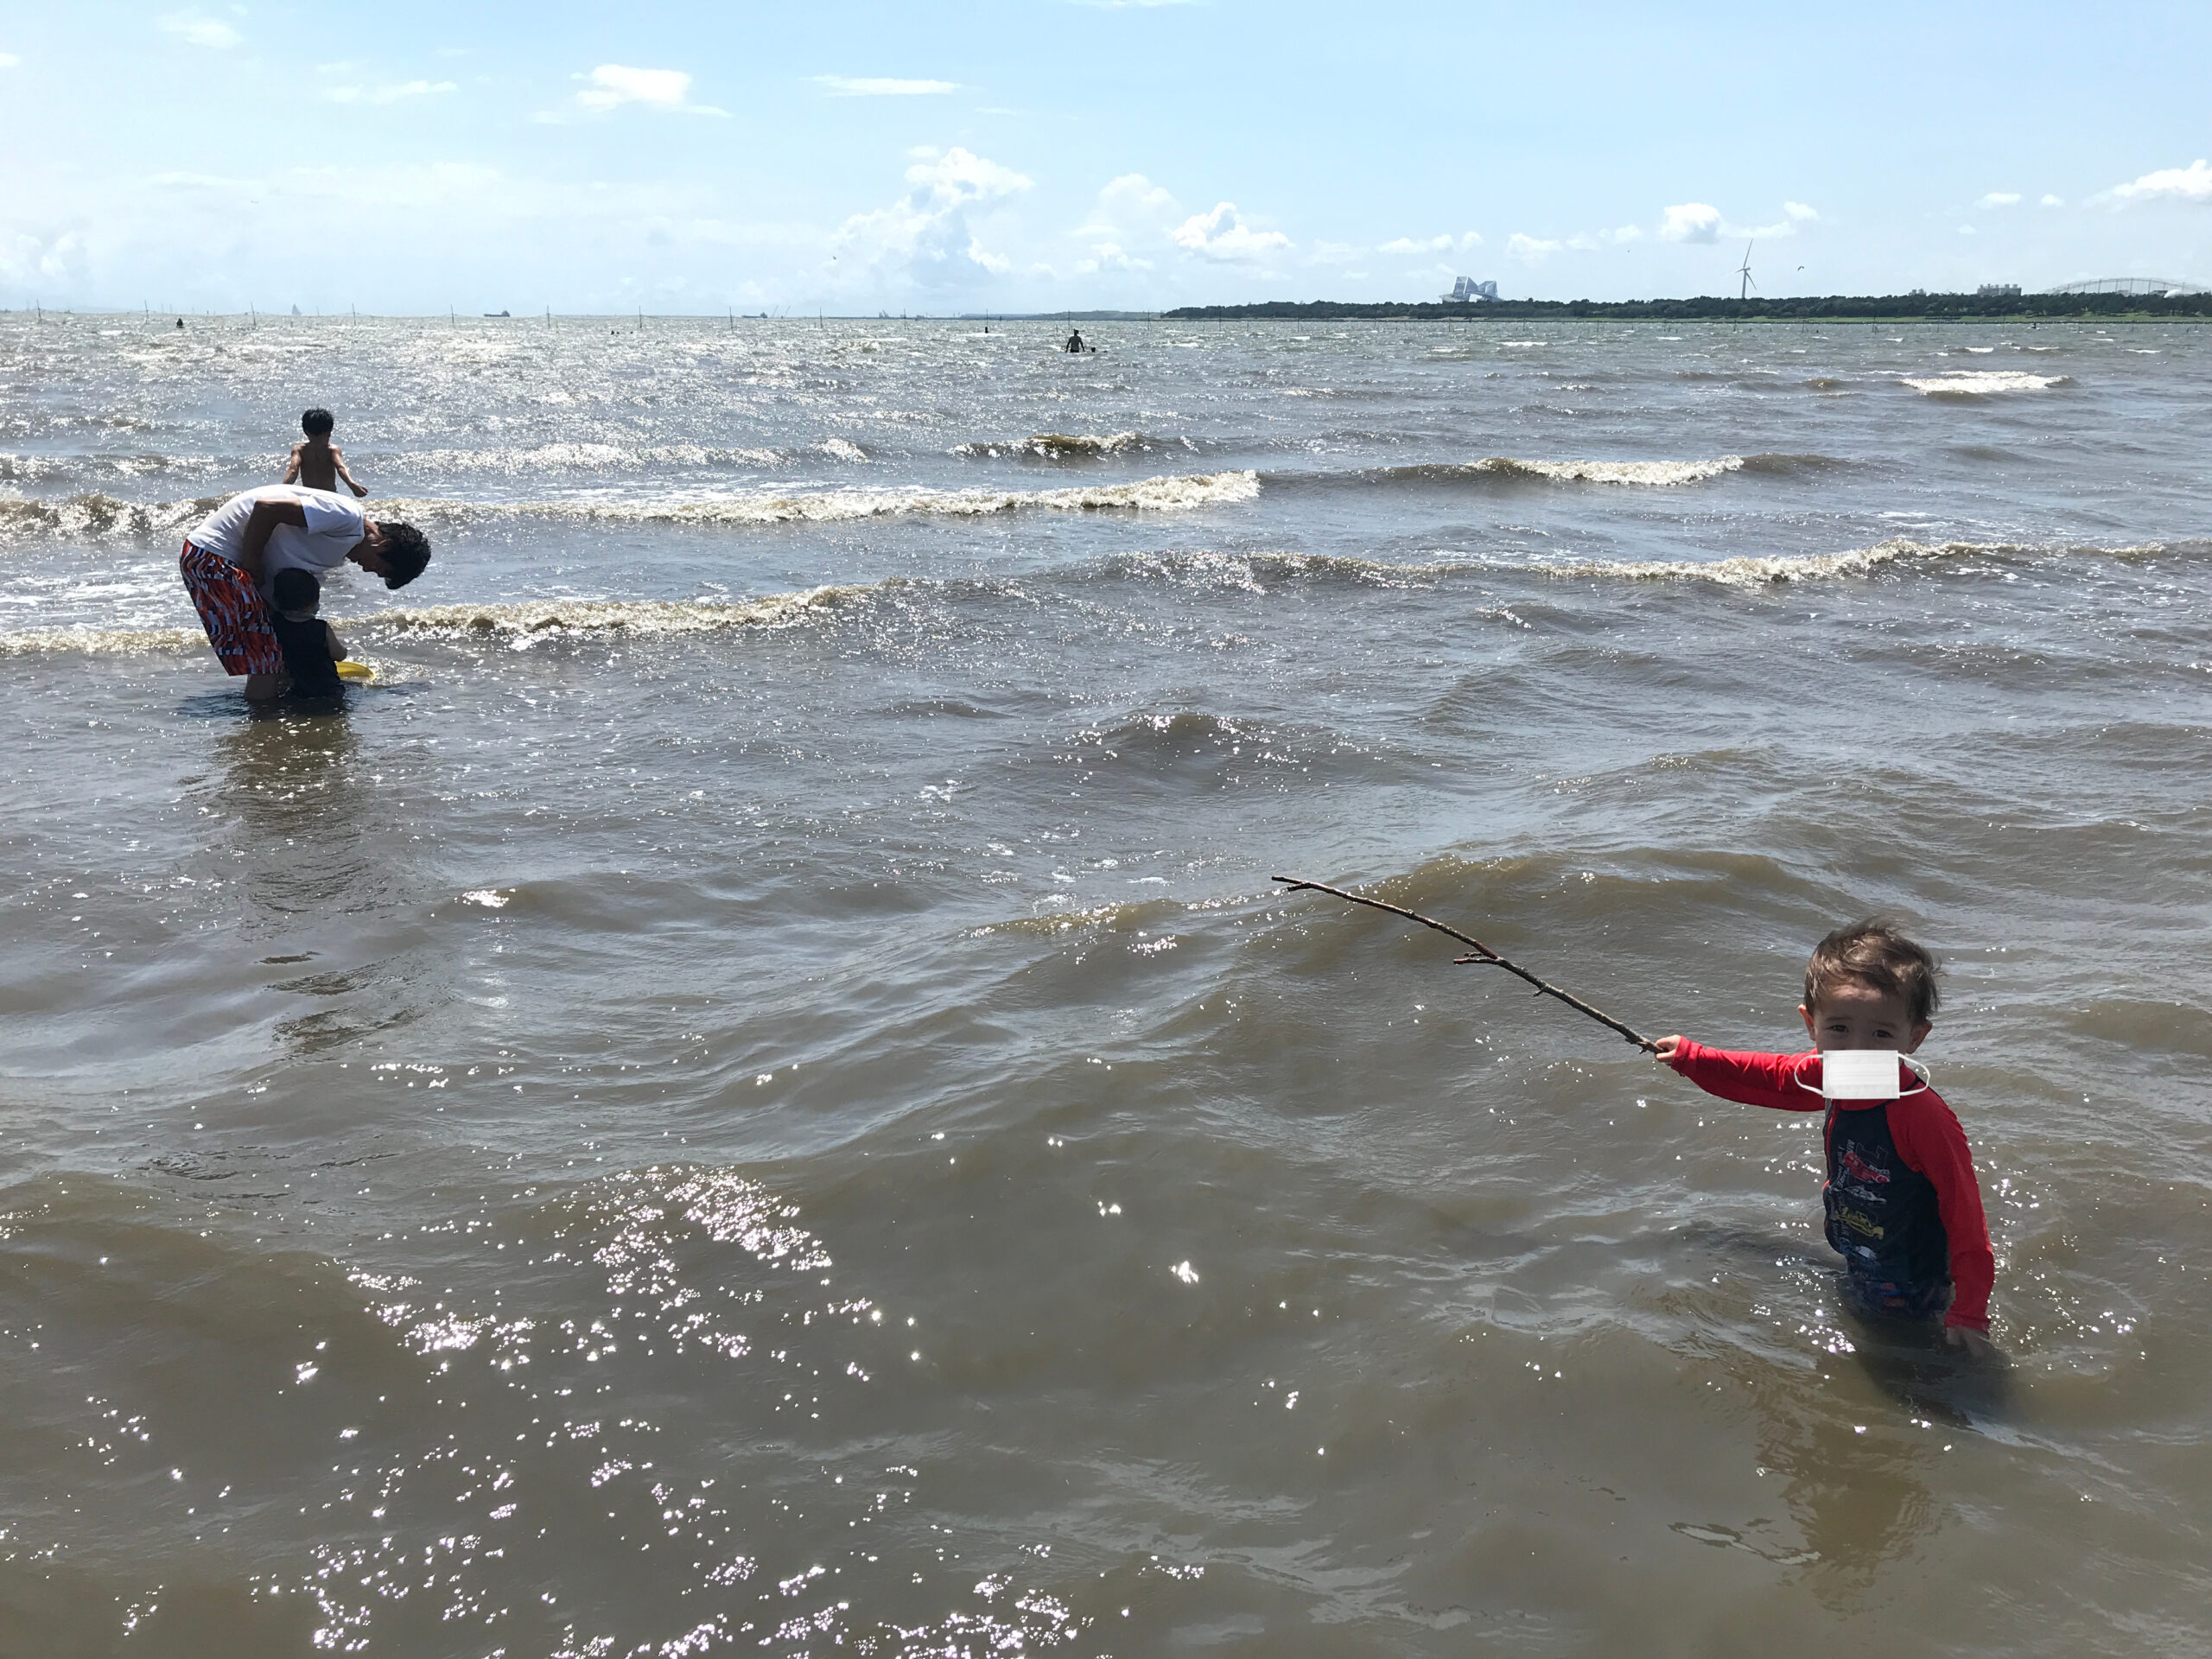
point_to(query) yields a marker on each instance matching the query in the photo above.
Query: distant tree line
(1870, 307)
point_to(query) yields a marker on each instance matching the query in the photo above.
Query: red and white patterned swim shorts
(232, 612)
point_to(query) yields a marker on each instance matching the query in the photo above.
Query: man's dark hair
(316, 422)
(406, 550)
(1875, 953)
(296, 590)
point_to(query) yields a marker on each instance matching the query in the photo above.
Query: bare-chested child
(315, 462)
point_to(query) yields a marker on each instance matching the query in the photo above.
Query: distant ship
(1467, 291)
(503, 314)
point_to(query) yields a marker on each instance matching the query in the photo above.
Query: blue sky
(1018, 155)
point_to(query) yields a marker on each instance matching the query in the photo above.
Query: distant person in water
(311, 646)
(1904, 1209)
(316, 461)
(231, 561)
(1075, 342)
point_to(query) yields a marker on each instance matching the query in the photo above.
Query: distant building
(1468, 291)
(1998, 291)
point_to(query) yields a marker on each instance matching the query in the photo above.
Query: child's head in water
(297, 594)
(1868, 986)
(316, 423)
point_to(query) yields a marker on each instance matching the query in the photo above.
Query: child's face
(1853, 1015)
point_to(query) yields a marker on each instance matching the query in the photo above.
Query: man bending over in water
(231, 561)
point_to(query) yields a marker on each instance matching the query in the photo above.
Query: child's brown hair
(1872, 952)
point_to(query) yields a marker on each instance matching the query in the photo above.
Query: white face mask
(1865, 1074)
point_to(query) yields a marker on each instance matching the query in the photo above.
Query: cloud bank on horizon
(1137, 153)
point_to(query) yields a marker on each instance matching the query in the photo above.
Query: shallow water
(754, 1091)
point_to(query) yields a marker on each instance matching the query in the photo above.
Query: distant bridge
(2148, 286)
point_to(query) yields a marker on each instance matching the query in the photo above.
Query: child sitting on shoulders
(1903, 1205)
(311, 646)
(315, 462)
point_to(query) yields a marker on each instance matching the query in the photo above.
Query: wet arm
(337, 645)
(1931, 1140)
(1752, 1079)
(338, 462)
(292, 466)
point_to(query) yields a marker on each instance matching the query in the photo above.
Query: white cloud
(2191, 184)
(195, 30)
(1701, 223)
(57, 260)
(925, 237)
(1131, 202)
(10, 60)
(1432, 244)
(1690, 221)
(1109, 255)
(881, 87)
(958, 176)
(1223, 234)
(1531, 249)
(1968, 230)
(2000, 199)
(614, 84)
(1627, 233)
(2054, 202)
(395, 94)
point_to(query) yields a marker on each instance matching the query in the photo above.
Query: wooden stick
(1483, 956)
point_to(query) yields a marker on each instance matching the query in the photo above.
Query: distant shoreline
(1834, 307)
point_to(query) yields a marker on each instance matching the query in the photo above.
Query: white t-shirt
(335, 528)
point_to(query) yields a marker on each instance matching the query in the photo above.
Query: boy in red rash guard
(1903, 1208)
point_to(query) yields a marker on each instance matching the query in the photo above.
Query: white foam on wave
(519, 623)
(524, 620)
(581, 457)
(98, 514)
(1173, 493)
(1660, 473)
(95, 515)
(1755, 572)
(1979, 383)
(1057, 445)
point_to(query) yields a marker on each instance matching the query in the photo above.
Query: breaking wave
(557, 458)
(95, 515)
(103, 515)
(533, 619)
(1979, 383)
(1755, 572)
(1059, 446)
(523, 622)
(1646, 473)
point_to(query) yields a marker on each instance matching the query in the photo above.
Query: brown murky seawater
(753, 1092)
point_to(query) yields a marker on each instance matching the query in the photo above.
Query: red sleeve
(1753, 1079)
(1931, 1140)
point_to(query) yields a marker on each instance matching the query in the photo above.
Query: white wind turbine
(1745, 271)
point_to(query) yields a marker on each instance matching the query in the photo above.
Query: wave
(1646, 473)
(99, 642)
(1755, 572)
(523, 622)
(94, 515)
(613, 457)
(1979, 383)
(527, 620)
(1059, 446)
(98, 514)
